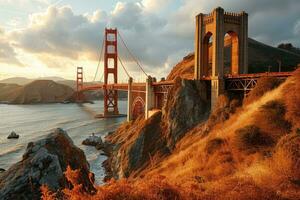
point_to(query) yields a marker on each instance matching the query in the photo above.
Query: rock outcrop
(44, 163)
(187, 105)
(13, 135)
(133, 146)
(137, 145)
(93, 140)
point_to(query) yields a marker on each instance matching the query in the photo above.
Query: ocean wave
(15, 149)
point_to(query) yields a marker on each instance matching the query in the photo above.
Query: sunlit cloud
(55, 38)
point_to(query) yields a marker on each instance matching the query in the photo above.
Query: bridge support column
(217, 88)
(149, 97)
(129, 100)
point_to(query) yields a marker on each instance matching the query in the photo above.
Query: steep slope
(253, 153)
(40, 91)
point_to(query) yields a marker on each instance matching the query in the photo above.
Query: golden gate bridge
(145, 98)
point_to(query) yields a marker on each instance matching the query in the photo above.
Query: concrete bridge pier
(217, 88)
(129, 100)
(150, 97)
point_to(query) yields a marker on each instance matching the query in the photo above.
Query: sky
(40, 38)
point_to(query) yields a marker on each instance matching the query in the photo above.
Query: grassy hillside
(250, 151)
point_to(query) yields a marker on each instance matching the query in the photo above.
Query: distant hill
(261, 56)
(16, 80)
(45, 91)
(7, 91)
(39, 91)
(24, 81)
(289, 47)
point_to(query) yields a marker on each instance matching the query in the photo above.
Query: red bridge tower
(110, 67)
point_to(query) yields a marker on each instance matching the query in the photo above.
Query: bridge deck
(159, 86)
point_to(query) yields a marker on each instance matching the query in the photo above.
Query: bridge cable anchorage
(99, 61)
(123, 67)
(132, 56)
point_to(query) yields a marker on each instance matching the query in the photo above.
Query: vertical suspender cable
(132, 56)
(100, 58)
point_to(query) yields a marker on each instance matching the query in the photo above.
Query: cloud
(297, 28)
(159, 38)
(8, 54)
(155, 5)
(60, 32)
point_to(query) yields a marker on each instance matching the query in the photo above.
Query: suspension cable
(100, 58)
(132, 56)
(123, 67)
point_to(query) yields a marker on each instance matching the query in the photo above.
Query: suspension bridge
(144, 98)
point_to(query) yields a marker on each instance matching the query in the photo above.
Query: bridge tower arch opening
(138, 107)
(219, 23)
(207, 54)
(231, 53)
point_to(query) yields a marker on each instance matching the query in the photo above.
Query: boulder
(93, 140)
(2, 170)
(44, 163)
(13, 135)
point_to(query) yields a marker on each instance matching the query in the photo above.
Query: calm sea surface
(33, 122)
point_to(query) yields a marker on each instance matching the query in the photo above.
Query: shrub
(220, 112)
(270, 119)
(46, 193)
(251, 138)
(213, 145)
(287, 156)
(264, 84)
(292, 100)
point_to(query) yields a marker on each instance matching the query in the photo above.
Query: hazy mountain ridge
(39, 91)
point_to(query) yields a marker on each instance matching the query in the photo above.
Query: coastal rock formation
(93, 140)
(44, 163)
(13, 135)
(134, 146)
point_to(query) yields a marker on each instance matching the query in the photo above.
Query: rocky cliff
(44, 163)
(139, 144)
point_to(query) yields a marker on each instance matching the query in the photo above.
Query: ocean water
(33, 122)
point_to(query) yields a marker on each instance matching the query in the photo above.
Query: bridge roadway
(136, 87)
(231, 80)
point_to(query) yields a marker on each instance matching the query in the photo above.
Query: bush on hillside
(287, 156)
(222, 110)
(264, 84)
(270, 119)
(251, 138)
(213, 145)
(292, 100)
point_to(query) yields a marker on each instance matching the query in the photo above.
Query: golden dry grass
(217, 165)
